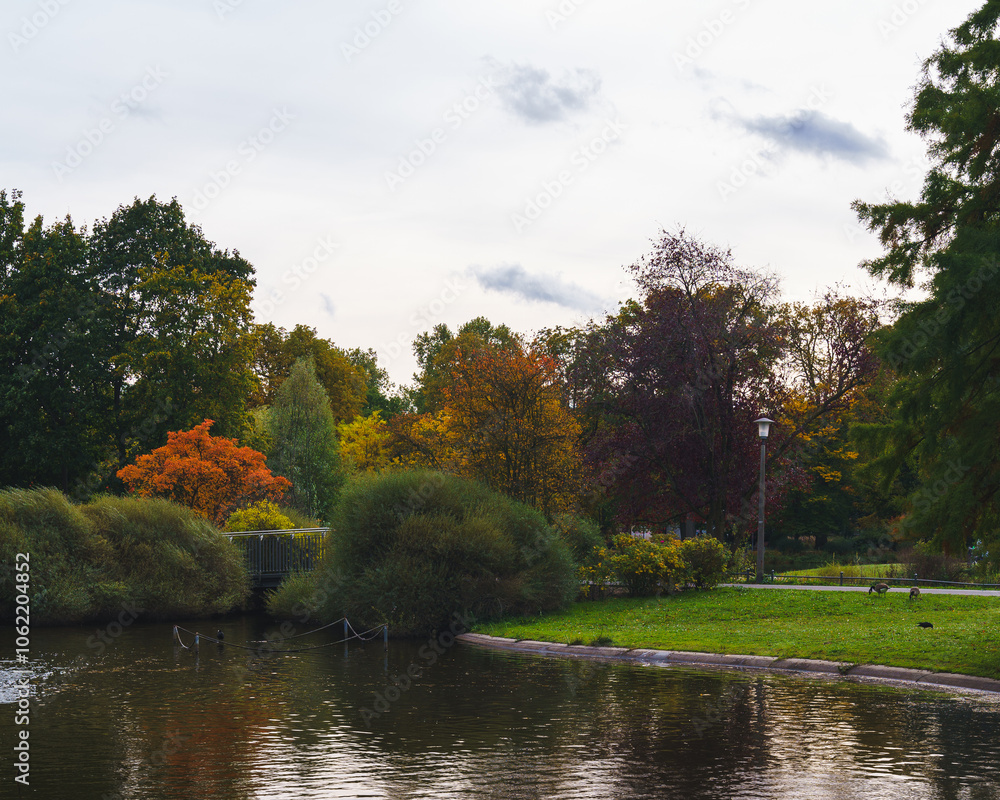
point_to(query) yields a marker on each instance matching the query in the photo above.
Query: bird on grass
(914, 593)
(924, 625)
(880, 588)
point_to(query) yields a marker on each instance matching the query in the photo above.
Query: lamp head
(764, 426)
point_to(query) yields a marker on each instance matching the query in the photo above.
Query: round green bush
(581, 534)
(706, 560)
(414, 549)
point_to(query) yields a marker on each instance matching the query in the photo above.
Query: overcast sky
(389, 165)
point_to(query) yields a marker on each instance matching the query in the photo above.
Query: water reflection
(147, 719)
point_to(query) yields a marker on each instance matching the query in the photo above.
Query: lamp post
(763, 427)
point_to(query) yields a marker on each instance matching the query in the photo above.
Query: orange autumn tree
(509, 423)
(210, 474)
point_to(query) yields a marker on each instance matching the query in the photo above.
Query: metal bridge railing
(271, 555)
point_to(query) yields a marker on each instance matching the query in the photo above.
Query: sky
(387, 166)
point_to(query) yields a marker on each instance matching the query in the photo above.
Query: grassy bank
(852, 627)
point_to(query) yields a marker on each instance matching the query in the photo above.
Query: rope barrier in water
(364, 636)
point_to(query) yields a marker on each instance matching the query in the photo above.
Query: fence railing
(771, 577)
(271, 555)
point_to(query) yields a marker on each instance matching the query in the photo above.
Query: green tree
(175, 326)
(382, 396)
(946, 348)
(52, 394)
(278, 349)
(304, 441)
(109, 340)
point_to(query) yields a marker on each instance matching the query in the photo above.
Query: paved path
(893, 590)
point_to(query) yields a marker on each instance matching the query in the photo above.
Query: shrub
(930, 564)
(706, 560)
(298, 519)
(174, 561)
(87, 561)
(581, 535)
(414, 548)
(261, 516)
(645, 566)
(64, 580)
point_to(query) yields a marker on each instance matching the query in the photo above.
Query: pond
(139, 717)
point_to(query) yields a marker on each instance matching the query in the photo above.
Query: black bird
(220, 635)
(924, 625)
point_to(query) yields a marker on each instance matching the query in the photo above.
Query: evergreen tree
(946, 348)
(304, 440)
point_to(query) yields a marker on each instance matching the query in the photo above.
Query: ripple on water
(149, 721)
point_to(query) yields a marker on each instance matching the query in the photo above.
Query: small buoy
(924, 625)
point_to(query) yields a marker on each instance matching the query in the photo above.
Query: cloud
(328, 306)
(514, 280)
(816, 133)
(535, 97)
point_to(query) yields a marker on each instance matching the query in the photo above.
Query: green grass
(851, 627)
(854, 571)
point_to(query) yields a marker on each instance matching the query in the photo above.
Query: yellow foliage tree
(364, 443)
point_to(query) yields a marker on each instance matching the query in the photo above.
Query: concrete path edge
(919, 677)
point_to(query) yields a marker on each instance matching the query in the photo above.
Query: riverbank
(848, 629)
(922, 678)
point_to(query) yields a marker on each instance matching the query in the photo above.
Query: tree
(210, 474)
(382, 396)
(304, 441)
(364, 443)
(110, 340)
(52, 394)
(511, 427)
(680, 379)
(946, 348)
(278, 350)
(832, 378)
(175, 325)
(436, 353)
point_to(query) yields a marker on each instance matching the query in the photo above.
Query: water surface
(143, 718)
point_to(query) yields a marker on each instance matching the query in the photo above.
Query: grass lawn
(854, 571)
(841, 626)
